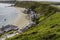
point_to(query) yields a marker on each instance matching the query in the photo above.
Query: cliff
(48, 25)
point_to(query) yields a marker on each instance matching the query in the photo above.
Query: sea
(7, 14)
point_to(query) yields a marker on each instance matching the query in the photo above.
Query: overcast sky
(49, 0)
(34, 0)
(42, 0)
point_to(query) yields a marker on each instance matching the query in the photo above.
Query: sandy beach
(21, 20)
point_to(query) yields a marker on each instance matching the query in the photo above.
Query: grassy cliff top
(48, 27)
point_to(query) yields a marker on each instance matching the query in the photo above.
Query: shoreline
(21, 20)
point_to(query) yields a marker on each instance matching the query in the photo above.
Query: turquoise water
(7, 14)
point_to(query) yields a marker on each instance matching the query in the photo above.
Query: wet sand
(21, 20)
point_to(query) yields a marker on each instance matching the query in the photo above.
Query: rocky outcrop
(7, 28)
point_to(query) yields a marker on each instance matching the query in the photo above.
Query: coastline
(21, 20)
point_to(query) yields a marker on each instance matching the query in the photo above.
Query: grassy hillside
(48, 27)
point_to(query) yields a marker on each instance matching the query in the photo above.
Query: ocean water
(7, 14)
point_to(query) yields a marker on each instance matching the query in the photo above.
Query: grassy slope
(48, 29)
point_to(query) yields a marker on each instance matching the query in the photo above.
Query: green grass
(48, 27)
(9, 32)
(43, 30)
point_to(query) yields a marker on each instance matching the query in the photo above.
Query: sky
(49, 0)
(34, 0)
(42, 0)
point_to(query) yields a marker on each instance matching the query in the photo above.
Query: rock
(8, 28)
